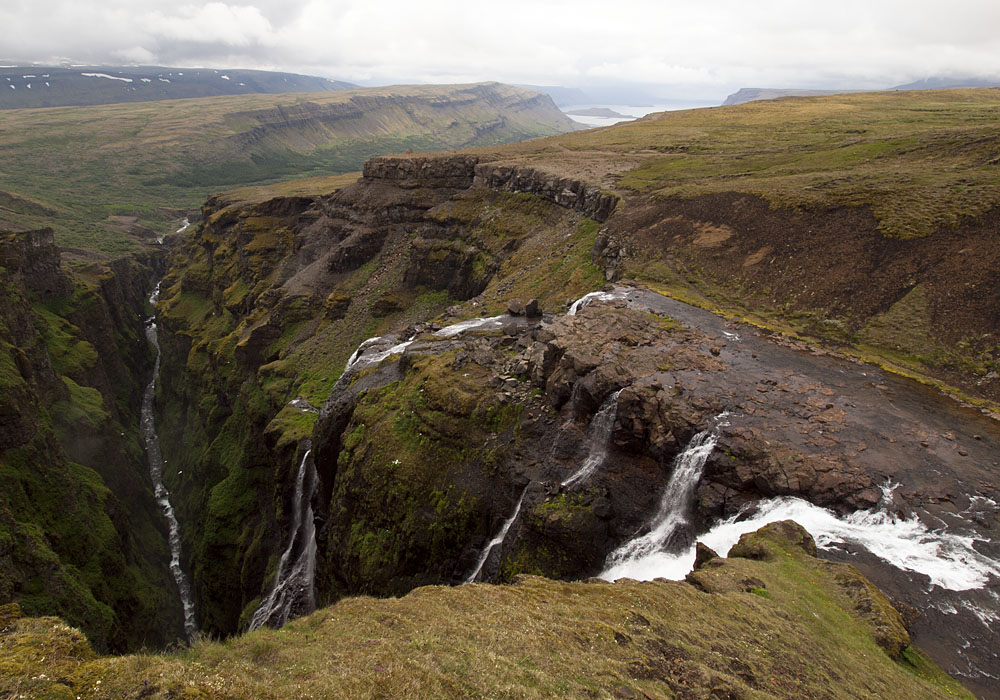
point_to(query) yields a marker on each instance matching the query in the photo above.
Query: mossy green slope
(79, 533)
(781, 625)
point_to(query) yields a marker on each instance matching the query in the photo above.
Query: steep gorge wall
(80, 533)
(264, 303)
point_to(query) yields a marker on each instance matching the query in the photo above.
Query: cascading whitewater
(595, 296)
(293, 592)
(672, 514)
(496, 541)
(155, 457)
(600, 436)
(362, 358)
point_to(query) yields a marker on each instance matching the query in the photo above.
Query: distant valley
(107, 177)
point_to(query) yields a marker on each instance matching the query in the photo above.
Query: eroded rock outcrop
(566, 192)
(462, 171)
(260, 292)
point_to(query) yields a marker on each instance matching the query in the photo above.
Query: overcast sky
(695, 49)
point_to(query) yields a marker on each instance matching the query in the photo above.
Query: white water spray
(473, 324)
(155, 457)
(498, 540)
(360, 359)
(949, 560)
(600, 436)
(293, 592)
(586, 299)
(672, 514)
(353, 359)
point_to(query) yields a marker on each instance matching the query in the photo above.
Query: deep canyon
(480, 368)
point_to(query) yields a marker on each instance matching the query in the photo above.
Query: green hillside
(107, 177)
(789, 626)
(917, 159)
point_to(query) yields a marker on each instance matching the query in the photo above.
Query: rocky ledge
(461, 171)
(515, 406)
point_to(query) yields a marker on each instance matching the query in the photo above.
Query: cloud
(718, 44)
(212, 23)
(134, 55)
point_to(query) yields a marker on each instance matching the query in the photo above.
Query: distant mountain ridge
(744, 95)
(24, 87)
(142, 164)
(562, 96)
(941, 83)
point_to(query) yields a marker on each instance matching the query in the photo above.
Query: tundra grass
(919, 159)
(786, 627)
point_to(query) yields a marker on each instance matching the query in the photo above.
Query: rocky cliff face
(265, 303)
(929, 304)
(567, 192)
(79, 533)
(442, 440)
(464, 171)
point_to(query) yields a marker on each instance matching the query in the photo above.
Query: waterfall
(595, 296)
(498, 540)
(473, 324)
(672, 515)
(360, 359)
(155, 457)
(352, 360)
(293, 592)
(600, 436)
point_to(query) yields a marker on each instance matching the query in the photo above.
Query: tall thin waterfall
(600, 436)
(672, 514)
(155, 457)
(498, 540)
(293, 592)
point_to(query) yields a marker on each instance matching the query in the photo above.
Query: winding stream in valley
(155, 457)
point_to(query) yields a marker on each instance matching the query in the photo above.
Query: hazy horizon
(662, 50)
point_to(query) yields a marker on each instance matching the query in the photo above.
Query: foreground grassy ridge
(784, 625)
(919, 159)
(102, 175)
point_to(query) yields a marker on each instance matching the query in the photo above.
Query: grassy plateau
(105, 177)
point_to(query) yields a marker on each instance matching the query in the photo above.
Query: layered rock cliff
(426, 453)
(264, 304)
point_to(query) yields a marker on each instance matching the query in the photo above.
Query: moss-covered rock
(80, 533)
